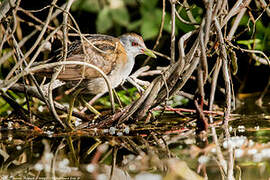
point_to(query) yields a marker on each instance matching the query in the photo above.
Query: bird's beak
(149, 53)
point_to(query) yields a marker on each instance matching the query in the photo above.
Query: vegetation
(200, 74)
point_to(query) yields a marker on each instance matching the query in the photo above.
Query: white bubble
(132, 167)
(119, 134)
(250, 143)
(5, 177)
(252, 151)
(10, 137)
(90, 168)
(112, 130)
(10, 125)
(63, 166)
(236, 141)
(40, 108)
(48, 156)
(266, 153)
(49, 133)
(19, 148)
(38, 167)
(102, 177)
(77, 122)
(190, 141)
(126, 130)
(241, 128)
(148, 176)
(65, 161)
(203, 159)
(238, 153)
(257, 157)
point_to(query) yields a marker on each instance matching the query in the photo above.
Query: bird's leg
(118, 98)
(71, 105)
(91, 108)
(92, 101)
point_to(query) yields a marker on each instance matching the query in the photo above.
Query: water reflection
(154, 150)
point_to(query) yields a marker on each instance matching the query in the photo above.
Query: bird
(115, 56)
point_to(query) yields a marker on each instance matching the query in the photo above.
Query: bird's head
(134, 45)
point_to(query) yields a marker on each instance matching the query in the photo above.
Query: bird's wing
(103, 51)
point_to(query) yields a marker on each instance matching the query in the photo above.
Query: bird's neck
(128, 66)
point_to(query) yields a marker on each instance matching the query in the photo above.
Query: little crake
(114, 56)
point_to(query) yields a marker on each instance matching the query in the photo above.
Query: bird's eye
(134, 44)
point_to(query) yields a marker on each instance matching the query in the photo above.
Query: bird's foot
(143, 71)
(92, 109)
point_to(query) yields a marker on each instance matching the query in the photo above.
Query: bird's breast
(120, 72)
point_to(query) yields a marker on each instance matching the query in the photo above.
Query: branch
(6, 84)
(6, 5)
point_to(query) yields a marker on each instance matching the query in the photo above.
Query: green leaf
(167, 25)
(150, 23)
(149, 30)
(249, 42)
(133, 25)
(104, 20)
(244, 21)
(86, 5)
(130, 2)
(125, 99)
(149, 4)
(182, 26)
(120, 16)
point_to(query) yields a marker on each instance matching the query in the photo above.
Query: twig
(204, 64)
(26, 38)
(162, 55)
(20, 44)
(236, 22)
(220, 113)
(34, 45)
(265, 6)
(34, 17)
(34, 92)
(234, 10)
(220, 156)
(226, 77)
(5, 7)
(4, 37)
(173, 31)
(51, 103)
(189, 13)
(115, 149)
(252, 51)
(4, 86)
(208, 20)
(159, 34)
(32, 60)
(136, 104)
(54, 76)
(161, 25)
(183, 20)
